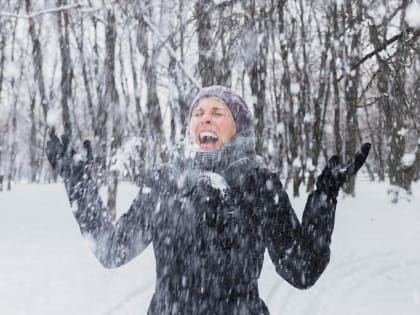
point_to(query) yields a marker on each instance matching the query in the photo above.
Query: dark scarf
(240, 148)
(229, 161)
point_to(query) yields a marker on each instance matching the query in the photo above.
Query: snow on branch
(171, 51)
(41, 12)
(416, 33)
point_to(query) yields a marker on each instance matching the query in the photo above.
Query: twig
(171, 52)
(388, 42)
(46, 11)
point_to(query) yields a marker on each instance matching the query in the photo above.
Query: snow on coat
(210, 217)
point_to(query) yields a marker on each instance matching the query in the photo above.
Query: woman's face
(211, 124)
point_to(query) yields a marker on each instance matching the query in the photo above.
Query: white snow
(53, 117)
(329, 129)
(308, 118)
(294, 88)
(281, 128)
(47, 268)
(296, 163)
(402, 132)
(408, 159)
(412, 16)
(217, 181)
(146, 190)
(123, 155)
(309, 165)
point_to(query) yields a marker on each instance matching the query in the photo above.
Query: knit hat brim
(236, 104)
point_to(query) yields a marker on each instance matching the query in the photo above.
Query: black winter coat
(210, 224)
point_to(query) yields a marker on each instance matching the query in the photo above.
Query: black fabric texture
(210, 217)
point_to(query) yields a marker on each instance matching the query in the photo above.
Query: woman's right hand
(65, 160)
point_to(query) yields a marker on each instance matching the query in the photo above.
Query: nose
(205, 118)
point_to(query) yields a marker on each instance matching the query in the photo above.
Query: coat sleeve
(300, 251)
(114, 244)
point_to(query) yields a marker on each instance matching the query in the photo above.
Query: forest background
(321, 77)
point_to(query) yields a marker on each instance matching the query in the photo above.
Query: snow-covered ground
(46, 267)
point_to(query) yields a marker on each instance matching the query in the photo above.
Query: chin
(208, 148)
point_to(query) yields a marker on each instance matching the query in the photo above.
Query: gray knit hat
(236, 104)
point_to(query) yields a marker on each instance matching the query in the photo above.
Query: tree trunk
(2, 58)
(66, 67)
(86, 81)
(400, 174)
(33, 141)
(257, 71)
(112, 100)
(351, 85)
(37, 61)
(206, 61)
(338, 141)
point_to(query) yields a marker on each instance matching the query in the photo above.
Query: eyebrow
(215, 107)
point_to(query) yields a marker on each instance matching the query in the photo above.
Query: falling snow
(413, 14)
(47, 268)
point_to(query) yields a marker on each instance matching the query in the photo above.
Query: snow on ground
(46, 267)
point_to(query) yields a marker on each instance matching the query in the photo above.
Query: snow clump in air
(217, 181)
(124, 154)
(408, 159)
(146, 190)
(413, 14)
(53, 117)
(297, 163)
(294, 88)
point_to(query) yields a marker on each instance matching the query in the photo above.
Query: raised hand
(335, 174)
(65, 160)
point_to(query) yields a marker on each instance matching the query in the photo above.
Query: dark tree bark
(256, 66)
(66, 67)
(153, 127)
(112, 100)
(400, 175)
(384, 73)
(37, 61)
(320, 108)
(351, 85)
(206, 59)
(79, 36)
(2, 57)
(33, 157)
(338, 142)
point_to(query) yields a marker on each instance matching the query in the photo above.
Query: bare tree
(66, 67)
(256, 65)
(111, 99)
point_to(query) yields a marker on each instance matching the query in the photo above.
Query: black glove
(65, 160)
(335, 175)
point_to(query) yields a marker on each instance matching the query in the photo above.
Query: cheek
(226, 128)
(192, 129)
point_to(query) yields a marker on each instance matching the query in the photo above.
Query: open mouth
(207, 137)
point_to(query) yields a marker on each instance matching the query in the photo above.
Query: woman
(210, 214)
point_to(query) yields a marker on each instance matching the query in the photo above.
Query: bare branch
(38, 13)
(171, 51)
(416, 33)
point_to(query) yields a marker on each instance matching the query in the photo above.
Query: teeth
(208, 134)
(208, 137)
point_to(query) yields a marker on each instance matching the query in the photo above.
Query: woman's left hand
(335, 175)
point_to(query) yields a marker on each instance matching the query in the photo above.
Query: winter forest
(321, 77)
